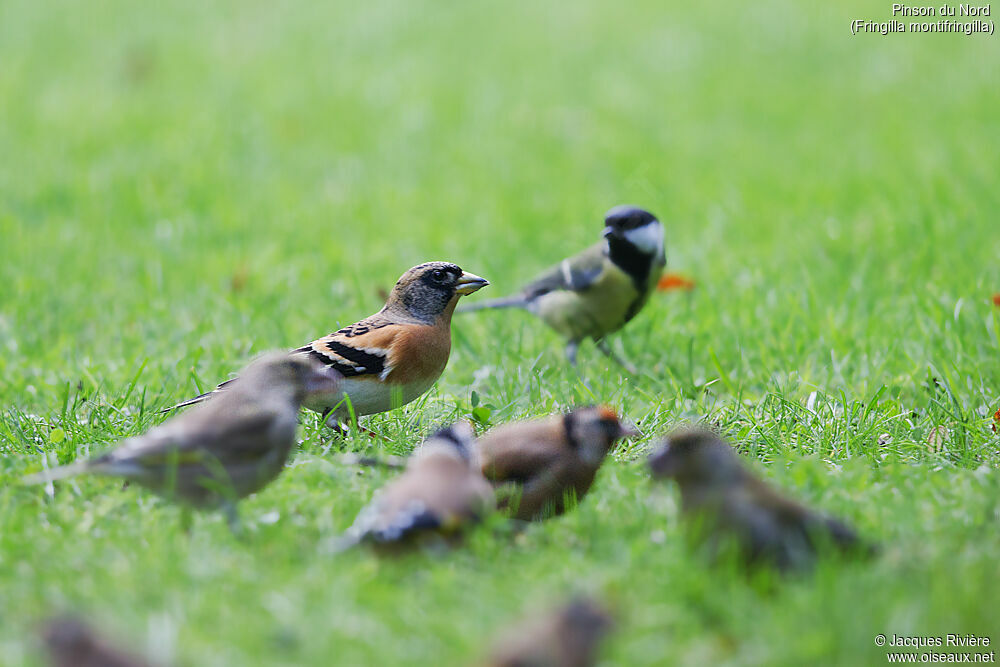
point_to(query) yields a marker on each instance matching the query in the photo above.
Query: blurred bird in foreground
(440, 493)
(568, 636)
(393, 356)
(72, 643)
(224, 449)
(596, 292)
(726, 501)
(536, 464)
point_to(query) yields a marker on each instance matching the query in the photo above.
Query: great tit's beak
(325, 380)
(609, 231)
(469, 283)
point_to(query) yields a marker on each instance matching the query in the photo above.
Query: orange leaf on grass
(996, 419)
(671, 281)
(996, 300)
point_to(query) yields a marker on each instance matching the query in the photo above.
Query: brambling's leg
(334, 423)
(603, 346)
(370, 433)
(343, 429)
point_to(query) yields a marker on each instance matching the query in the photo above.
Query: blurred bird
(223, 450)
(596, 292)
(394, 356)
(565, 637)
(543, 460)
(727, 501)
(440, 493)
(72, 643)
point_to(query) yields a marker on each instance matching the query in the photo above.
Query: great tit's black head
(636, 226)
(289, 375)
(627, 217)
(695, 455)
(426, 290)
(592, 431)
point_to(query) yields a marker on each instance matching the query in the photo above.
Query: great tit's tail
(341, 543)
(518, 301)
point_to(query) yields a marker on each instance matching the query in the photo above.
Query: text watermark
(948, 648)
(961, 18)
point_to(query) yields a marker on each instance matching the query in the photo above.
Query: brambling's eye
(438, 275)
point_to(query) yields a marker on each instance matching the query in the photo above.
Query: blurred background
(298, 146)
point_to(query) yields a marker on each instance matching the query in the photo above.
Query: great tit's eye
(438, 275)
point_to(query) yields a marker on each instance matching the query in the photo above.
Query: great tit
(596, 292)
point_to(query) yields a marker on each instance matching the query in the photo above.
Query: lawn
(188, 184)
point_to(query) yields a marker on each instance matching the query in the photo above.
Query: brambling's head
(636, 226)
(695, 455)
(427, 290)
(290, 375)
(592, 431)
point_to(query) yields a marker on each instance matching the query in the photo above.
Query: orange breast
(419, 353)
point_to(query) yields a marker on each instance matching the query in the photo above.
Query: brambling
(440, 493)
(543, 460)
(596, 292)
(222, 450)
(72, 643)
(726, 501)
(397, 354)
(568, 636)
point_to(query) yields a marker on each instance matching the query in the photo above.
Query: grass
(187, 185)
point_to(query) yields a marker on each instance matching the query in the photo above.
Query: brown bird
(440, 493)
(565, 637)
(226, 448)
(393, 356)
(725, 500)
(544, 460)
(72, 643)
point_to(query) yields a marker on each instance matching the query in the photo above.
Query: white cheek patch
(648, 238)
